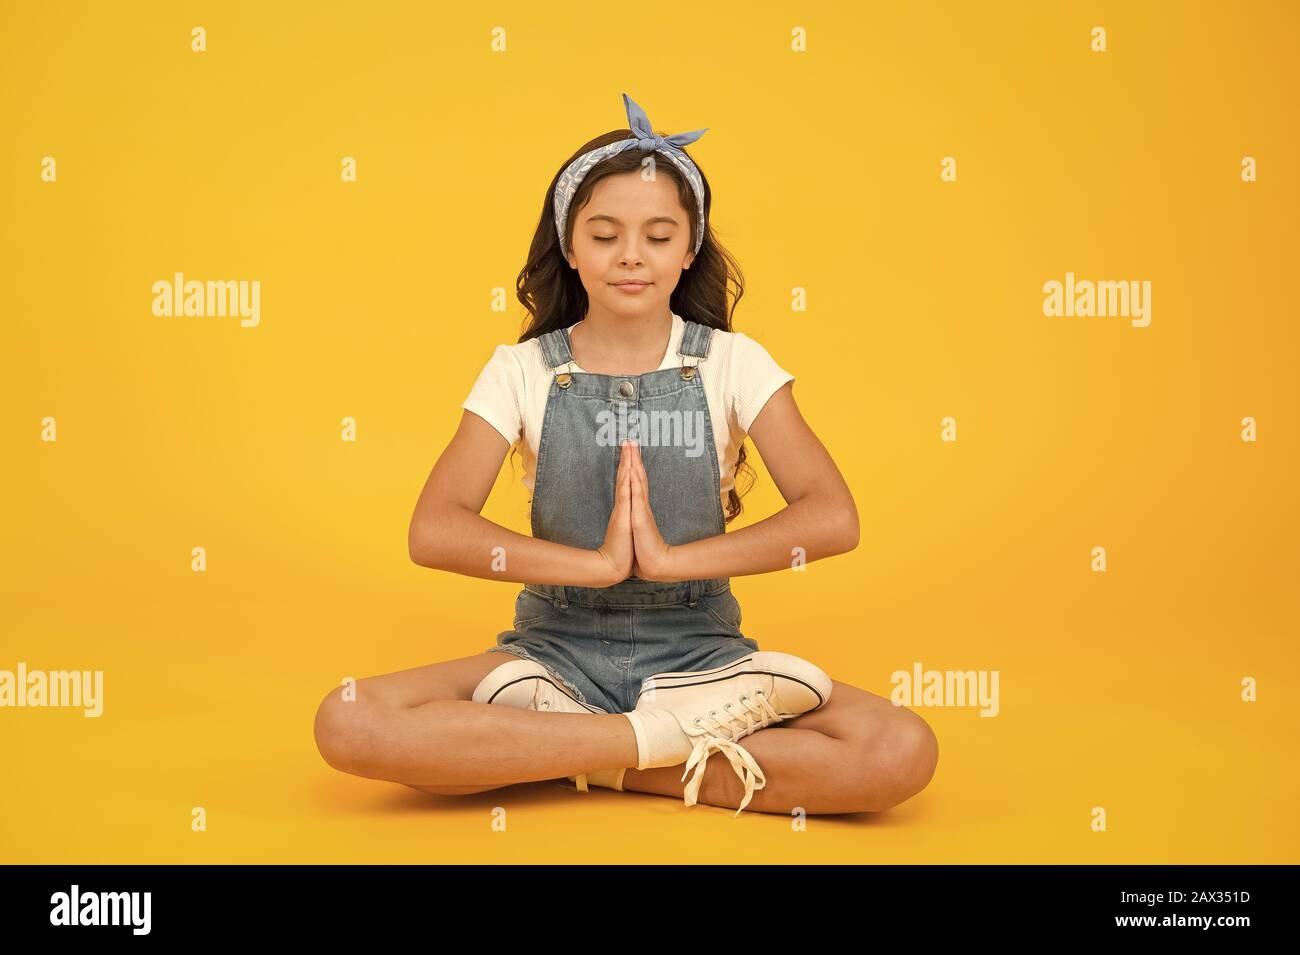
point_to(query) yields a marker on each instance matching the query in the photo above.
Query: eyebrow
(669, 219)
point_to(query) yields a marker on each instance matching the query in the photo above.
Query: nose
(630, 254)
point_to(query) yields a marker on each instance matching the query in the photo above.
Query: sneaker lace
(719, 735)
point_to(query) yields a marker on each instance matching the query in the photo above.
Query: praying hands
(633, 545)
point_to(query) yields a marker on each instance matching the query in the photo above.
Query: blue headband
(645, 140)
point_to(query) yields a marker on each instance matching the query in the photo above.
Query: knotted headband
(645, 140)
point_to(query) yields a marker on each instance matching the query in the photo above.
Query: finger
(638, 463)
(639, 475)
(626, 487)
(620, 495)
(625, 478)
(637, 499)
(625, 467)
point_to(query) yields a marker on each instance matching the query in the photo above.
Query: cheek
(594, 257)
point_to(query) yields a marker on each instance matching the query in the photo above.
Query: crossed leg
(420, 727)
(857, 753)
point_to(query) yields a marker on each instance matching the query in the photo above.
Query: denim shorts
(601, 643)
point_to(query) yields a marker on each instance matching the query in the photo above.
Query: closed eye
(611, 238)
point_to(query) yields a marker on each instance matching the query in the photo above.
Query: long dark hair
(553, 294)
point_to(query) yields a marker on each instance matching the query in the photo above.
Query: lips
(634, 282)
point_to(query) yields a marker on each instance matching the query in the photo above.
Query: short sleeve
(496, 395)
(755, 377)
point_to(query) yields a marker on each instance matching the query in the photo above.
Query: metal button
(625, 389)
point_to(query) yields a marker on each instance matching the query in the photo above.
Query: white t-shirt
(739, 376)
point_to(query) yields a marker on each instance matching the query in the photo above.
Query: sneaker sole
(563, 690)
(700, 677)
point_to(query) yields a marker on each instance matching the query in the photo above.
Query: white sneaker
(685, 716)
(609, 778)
(527, 685)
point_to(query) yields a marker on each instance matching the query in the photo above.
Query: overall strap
(695, 340)
(555, 348)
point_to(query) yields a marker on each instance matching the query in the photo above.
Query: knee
(895, 762)
(345, 731)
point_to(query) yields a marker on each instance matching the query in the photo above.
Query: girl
(630, 399)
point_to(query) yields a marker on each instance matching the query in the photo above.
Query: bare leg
(421, 728)
(858, 753)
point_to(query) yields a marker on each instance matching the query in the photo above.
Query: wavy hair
(552, 292)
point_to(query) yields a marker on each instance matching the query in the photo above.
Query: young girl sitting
(630, 398)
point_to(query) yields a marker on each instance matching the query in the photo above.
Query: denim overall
(601, 642)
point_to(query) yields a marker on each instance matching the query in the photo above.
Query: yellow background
(1119, 690)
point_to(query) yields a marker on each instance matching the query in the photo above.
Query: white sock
(660, 740)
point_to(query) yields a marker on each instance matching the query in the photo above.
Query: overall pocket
(531, 609)
(724, 608)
